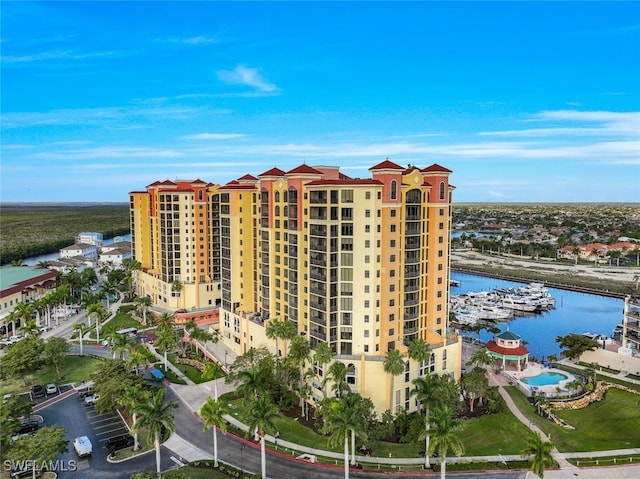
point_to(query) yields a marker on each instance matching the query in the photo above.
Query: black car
(116, 443)
(38, 391)
(27, 426)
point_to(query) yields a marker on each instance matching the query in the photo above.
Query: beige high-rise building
(360, 264)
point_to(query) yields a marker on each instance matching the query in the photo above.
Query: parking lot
(72, 414)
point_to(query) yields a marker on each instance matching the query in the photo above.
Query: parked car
(84, 392)
(25, 471)
(38, 391)
(27, 425)
(91, 400)
(117, 443)
(83, 446)
(51, 389)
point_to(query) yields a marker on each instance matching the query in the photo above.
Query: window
(393, 213)
(394, 190)
(347, 196)
(351, 374)
(442, 192)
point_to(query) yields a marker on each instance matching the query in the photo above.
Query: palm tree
(165, 340)
(339, 420)
(22, 312)
(98, 312)
(80, 329)
(482, 357)
(353, 402)
(137, 359)
(251, 383)
(420, 350)
(323, 355)
(213, 412)
(165, 320)
(394, 366)
(443, 437)
(281, 329)
(30, 327)
(337, 373)
(299, 353)
(134, 395)
(540, 452)
(156, 416)
(211, 370)
(260, 418)
(143, 304)
(426, 390)
(120, 343)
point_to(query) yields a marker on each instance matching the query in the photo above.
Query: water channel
(574, 313)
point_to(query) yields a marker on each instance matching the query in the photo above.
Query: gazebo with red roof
(506, 346)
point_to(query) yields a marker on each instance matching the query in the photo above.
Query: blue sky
(525, 102)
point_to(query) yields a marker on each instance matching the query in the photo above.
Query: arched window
(277, 196)
(277, 209)
(200, 195)
(442, 192)
(351, 374)
(394, 190)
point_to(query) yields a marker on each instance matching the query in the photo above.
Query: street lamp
(225, 359)
(241, 461)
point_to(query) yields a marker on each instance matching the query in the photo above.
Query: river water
(574, 313)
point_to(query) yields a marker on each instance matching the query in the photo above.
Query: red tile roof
(272, 172)
(248, 177)
(304, 169)
(436, 168)
(519, 351)
(386, 165)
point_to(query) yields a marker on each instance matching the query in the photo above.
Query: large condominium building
(360, 264)
(175, 237)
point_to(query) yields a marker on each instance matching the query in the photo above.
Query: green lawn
(501, 434)
(119, 321)
(609, 424)
(76, 368)
(493, 434)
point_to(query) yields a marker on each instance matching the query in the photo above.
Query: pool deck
(535, 369)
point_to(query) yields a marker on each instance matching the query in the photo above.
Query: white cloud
(212, 136)
(59, 55)
(242, 75)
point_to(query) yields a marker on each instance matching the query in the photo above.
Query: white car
(91, 400)
(83, 446)
(51, 389)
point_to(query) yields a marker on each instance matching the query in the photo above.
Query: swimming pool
(545, 379)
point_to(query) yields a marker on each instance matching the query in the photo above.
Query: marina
(500, 304)
(573, 312)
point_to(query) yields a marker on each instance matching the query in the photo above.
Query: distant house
(87, 251)
(113, 254)
(95, 239)
(66, 265)
(597, 251)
